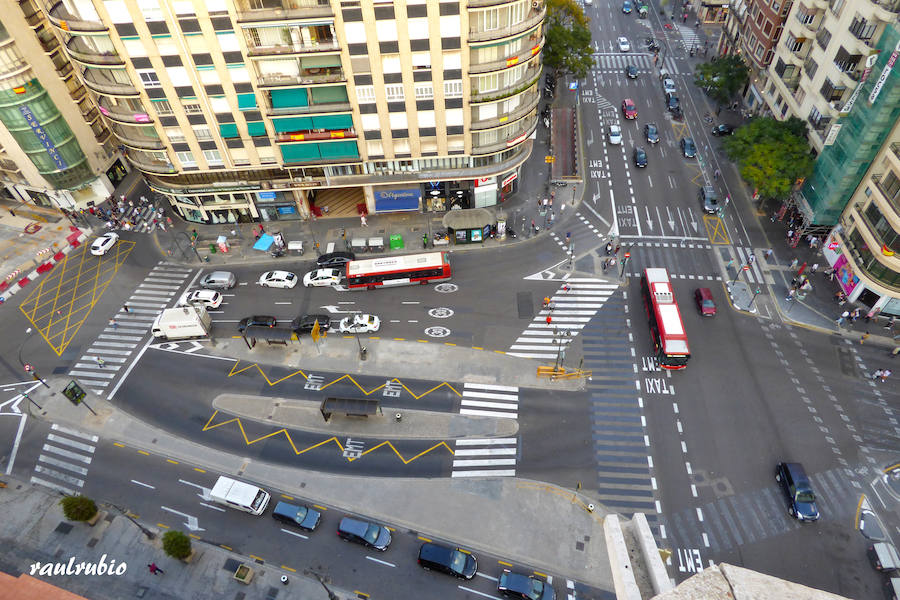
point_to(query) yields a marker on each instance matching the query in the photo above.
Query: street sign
(74, 393)
(549, 159)
(28, 368)
(746, 267)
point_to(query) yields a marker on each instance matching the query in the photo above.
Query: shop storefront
(485, 192)
(116, 172)
(442, 196)
(276, 206)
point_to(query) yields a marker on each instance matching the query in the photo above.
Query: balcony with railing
(61, 18)
(87, 52)
(303, 76)
(891, 195)
(505, 63)
(487, 142)
(798, 50)
(129, 111)
(103, 81)
(528, 101)
(143, 138)
(894, 155)
(277, 10)
(886, 10)
(483, 3)
(151, 162)
(808, 21)
(288, 40)
(528, 79)
(532, 19)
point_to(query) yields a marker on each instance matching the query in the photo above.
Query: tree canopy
(722, 77)
(771, 155)
(567, 46)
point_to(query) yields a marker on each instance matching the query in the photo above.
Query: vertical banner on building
(884, 74)
(41, 135)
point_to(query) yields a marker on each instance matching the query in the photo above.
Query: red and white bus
(409, 269)
(666, 327)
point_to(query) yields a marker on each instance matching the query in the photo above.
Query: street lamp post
(28, 368)
(331, 595)
(150, 535)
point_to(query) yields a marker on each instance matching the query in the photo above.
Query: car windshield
(372, 532)
(537, 588)
(651, 130)
(709, 304)
(301, 514)
(289, 276)
(457, 561)
(806, 497)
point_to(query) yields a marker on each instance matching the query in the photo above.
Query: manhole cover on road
(437, 332)
(441, 312)
(446, 288)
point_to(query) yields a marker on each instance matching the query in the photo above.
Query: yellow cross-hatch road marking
(63, 298)
(715, 230)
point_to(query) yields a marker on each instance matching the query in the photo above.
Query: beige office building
(820, 59)
(267, 110)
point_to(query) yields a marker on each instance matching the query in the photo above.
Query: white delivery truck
(182, 323)
(240, 495)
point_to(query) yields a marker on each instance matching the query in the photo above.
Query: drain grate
(63, 528)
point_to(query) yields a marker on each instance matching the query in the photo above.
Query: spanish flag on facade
(886, 251)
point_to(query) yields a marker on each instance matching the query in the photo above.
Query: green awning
(328, 60)
(247, 101)
(256, 128)
(228, 130)
(332, 122)
(344, 149)
(290, 98)
(300, 152)
(331, 93)
(293, 124)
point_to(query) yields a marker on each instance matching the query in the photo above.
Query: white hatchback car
(624, 44)
(668, 86)
(204, 298)
(322, 278)
(278, 279)
(614, 134)
(360, 324)
(103, 243)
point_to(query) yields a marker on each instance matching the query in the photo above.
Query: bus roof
(673, 335)
(394, 263)
(656, 275)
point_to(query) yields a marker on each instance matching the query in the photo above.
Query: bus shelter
(271, 335)
(352, 407)
(468, 225)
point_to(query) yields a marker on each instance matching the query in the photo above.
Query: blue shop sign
(394, 200)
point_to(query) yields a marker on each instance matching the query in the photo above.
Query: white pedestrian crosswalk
(110, 352)
(616, 62)
(487, 400)
(64, 460)
(485, 457)
(573, 305)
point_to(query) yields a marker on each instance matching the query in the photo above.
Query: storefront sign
(832, 134)
(265, 195)
(399, 199)
(43, 137)
(509, 180)
(483, 181)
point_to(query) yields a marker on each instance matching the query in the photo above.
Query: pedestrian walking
(844, 316)
(769, 253)
(549, 320)
(256, 235)
(566, 287)
(424, 240)
(814, 268)
(895, 351)
(890, 323)
(194, 234)
(854, 315)
(716, 174)
(362, 221)
(885, 374)
(154, 569)
(864, 337)
(546, 301)
(877, 374)
(125, 308)
(870, 315)
(794, 263)
(113, 324)
(261, 229)
(791, 293)
(790, 234)
(533, 228)
(100, 362)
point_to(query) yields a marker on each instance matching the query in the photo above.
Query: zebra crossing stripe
(73, 432)
(53, 486)
(486, 442)
(70, 455)
(63, 464)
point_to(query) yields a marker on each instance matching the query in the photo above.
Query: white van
(240, 495)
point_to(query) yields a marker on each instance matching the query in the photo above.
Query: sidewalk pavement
(481, 514)
(33, 530)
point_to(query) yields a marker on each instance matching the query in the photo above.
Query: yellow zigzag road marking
(209, 426)
(237, 371)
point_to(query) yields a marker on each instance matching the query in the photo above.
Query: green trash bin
(212, 248)
(396, 241)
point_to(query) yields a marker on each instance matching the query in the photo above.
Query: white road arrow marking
(191, 522)
(649, 220)
(671, 220)
(335, 310)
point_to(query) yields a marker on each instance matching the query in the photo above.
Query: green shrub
(78, 508)
(176, 544)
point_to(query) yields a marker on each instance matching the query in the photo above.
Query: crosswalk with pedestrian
(690, 39)
(555, 326)
(737, 520)
(98, 367)
(581, 234)
(621, 453)
(65, 459)
(616, 62)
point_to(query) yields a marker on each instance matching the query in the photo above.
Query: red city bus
(666, 328)
(409, 269)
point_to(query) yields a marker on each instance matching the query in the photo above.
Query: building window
(805, 17)
(365, 93)
(862, 29)
(175, 134)
(810, 67)
(759, 50)
(831, 92)
(890, 185)
(424, 92)
(793, 44)
(453, 89)
(213, 157)
(823, 37)
(202, 133)
(394, 93)
(192, 108)
(149, 79)
(776, 6)
(163, 107)
(836, 6)
(186, 159)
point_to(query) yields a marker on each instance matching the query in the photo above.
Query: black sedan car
(640, 157)
(368, 534)
(631, 71)
(723, 129)
(260, 320)
(651, 133)
(334, 259)
(305, 323)
(298, 516)
(526, 587)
